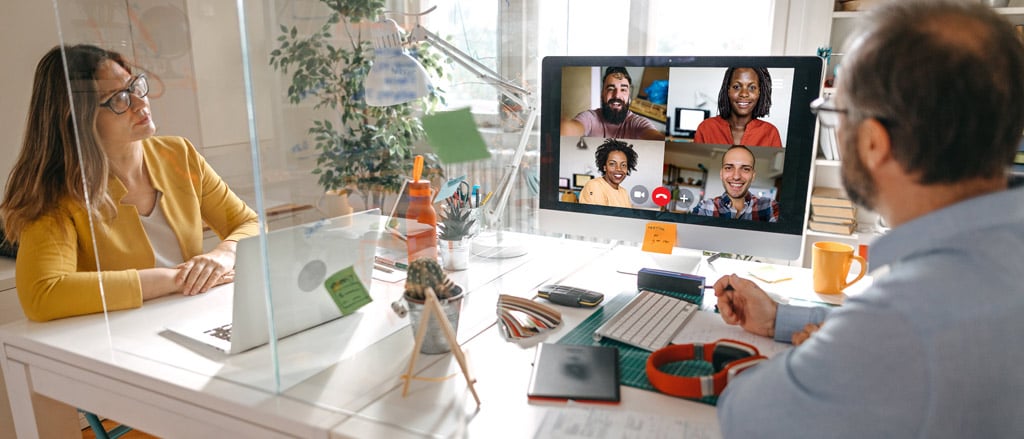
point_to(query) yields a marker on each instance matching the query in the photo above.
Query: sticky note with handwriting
(347, 291)
(659, 238)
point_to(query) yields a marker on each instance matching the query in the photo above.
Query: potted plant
(455, 229)
(361, 148)
(425, 275)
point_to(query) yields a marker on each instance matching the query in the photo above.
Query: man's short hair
(753, 158)
(619, 70)
(946, 79)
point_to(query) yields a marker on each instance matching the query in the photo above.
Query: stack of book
(832, 212)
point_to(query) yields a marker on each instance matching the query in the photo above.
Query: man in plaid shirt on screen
(737, 202)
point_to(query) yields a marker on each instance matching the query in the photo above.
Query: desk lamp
(395, 82)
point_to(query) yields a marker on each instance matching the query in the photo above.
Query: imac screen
(720, 146)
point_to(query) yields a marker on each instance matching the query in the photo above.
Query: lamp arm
(515, 92)
(519, 95)
(492, 212)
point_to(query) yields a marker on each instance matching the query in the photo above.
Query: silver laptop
(301, 258)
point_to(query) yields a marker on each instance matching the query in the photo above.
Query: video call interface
(680, 125)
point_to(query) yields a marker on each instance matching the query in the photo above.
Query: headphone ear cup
(727, 351)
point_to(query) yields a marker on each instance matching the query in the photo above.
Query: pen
(383, 268)
(476, 195)
(389, 263)
(487, 197)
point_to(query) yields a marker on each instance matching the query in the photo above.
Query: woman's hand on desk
(159, 282)
(741, 302)
(205, 271)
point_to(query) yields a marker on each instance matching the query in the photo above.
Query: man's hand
(741, 302)
(809, 329)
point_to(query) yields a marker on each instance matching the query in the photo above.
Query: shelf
(852, 237)
(847, 14)
(1013, 10)
(826, 163)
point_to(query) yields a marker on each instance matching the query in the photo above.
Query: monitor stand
(681, 260)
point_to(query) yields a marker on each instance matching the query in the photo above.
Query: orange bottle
(421, 222)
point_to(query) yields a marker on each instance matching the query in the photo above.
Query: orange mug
(830, 265)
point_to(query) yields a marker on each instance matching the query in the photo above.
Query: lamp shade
(395, 78)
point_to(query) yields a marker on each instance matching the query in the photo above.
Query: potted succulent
(360, 147)
(425, 275)
(455, 228)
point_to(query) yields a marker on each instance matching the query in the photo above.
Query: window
(586, 27)
(469, 26)
(512, 36)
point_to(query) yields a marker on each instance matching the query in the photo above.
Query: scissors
(461, 196)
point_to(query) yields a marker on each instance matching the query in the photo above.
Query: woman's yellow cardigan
(57, 272)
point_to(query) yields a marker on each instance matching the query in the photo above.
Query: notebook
(581, 373)
(301, 259)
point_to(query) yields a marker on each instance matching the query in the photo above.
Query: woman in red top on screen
(746, 96)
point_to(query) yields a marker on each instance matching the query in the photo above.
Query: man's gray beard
(857, 181)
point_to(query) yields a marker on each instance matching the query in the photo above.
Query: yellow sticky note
(659, 238)
(770, 274)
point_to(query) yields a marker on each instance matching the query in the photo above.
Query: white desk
(54, 366)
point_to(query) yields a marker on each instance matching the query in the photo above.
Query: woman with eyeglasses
(95, 197)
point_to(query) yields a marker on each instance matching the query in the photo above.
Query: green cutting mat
(632, 360)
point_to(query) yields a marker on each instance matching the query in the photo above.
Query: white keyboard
(649, 321)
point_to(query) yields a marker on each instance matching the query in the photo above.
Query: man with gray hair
(929, 109)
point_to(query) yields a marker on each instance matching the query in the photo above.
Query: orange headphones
(728, 357)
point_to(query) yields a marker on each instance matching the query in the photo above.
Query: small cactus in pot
(426, 273)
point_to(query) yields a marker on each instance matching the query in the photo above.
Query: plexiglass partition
(198, 155)
(226, 175)
(162, 161)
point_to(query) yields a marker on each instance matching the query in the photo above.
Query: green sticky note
(454, 136)
(348, 292)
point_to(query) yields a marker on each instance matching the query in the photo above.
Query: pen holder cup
(454, 254)
(434, 340)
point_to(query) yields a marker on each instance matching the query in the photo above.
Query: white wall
(192, 51)
(27, 30)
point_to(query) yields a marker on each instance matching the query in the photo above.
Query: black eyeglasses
(122, 100)
(827, 113)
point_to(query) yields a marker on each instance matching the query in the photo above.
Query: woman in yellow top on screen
(616, 159)
(95, 198)
(746, 96)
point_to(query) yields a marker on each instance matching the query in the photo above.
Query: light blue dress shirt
(933, 349)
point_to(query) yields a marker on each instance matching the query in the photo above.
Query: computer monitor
(563, 183)
(688, 172)
(580, 180)
(686, 121)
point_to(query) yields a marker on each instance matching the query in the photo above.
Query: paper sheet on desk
(705, 327)
(581, 423)
(390, 276)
